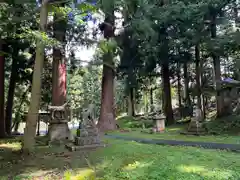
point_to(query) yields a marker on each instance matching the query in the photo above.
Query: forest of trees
(168, 55)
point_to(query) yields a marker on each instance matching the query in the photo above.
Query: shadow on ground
(120, 160)
(47, 161)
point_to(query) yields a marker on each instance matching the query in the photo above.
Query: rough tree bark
(17, 117)
(131, 111)
(187, 99)
(198, 80)
(107, 121)
(151, 100)
(11, 90)
(217, 69)
(179, 88)
(59, 62)
(31, 123)
(167, 94)
(2, 78)
(202, 60)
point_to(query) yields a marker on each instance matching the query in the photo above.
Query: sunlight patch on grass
(80, 174)
(135, 165)
(126, 160)
(219, 174)
(13, 146)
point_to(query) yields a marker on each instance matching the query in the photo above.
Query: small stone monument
(87, 134)
(195, 126)
(58, 124)
(160, 123)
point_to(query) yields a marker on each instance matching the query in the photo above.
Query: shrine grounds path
(207, 145)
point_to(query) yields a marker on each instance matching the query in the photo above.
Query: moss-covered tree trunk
(32, 117)
(2, 78)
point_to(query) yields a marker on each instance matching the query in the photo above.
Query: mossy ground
(119, 160)
(171, 132)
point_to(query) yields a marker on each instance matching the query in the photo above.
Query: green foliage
(226, 125)
(85, 87)
(130, 160)
(132, 123)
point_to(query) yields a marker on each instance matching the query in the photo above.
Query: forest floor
(173, 133)
(132, 127)
(119, 160)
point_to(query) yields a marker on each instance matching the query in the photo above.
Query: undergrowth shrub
(225, 125)
(131, 122)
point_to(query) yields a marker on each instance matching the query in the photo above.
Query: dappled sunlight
(121, 116)
(136, 164)
(12, 146)
(203, 171)
(28, 173)
(80, 174)
(174, 134)
(173, 129)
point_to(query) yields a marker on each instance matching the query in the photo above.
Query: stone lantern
(58, 124)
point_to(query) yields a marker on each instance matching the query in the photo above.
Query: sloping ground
(120, 160)
(173, 133)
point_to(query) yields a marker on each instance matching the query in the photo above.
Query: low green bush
(131, 122)
(225, 125)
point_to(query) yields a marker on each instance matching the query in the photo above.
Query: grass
(119, 160)
(173, 133)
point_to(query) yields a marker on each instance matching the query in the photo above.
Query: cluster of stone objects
(88, 134)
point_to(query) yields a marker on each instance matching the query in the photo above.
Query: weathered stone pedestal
(195, 126)
(58, 129)
(88, 136)
(160, 123)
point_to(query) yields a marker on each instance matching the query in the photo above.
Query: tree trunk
(217, 70)
(59, 91)
(17, 118)
(131, 111)
(202, 86)
(107, 120)
(31, 123)
(179, 89)
(151, 100)
(167, 94)
(187, 99)
(11, 90)
(2, 78)
(198, 80)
